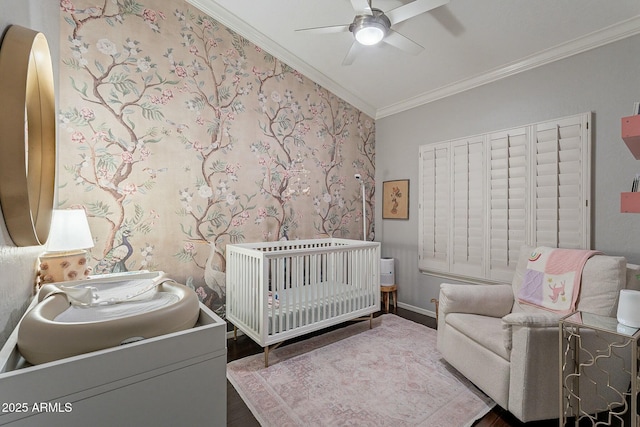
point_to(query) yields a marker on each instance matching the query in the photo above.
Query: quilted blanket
(552, 278)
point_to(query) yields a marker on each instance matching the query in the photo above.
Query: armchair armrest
(486, 300)
(532, 340)
(531, 320)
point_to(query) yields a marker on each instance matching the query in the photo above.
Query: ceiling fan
(372, 26)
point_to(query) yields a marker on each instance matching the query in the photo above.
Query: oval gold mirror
(27, 135)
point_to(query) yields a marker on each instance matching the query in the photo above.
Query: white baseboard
(417, 309)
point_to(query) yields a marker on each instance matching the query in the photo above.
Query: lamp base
(63, 266)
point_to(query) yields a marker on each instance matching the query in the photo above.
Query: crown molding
(613, 33)
(233, 22)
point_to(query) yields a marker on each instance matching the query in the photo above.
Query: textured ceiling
(467, 43)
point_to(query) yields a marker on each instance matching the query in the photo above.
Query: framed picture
(395, 199)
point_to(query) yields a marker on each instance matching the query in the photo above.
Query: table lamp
(65, 256)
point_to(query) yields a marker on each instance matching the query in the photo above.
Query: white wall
(17, 265)
(605, 81)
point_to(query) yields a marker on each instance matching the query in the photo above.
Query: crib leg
(235, 333)
(360, 319)
(267, 349)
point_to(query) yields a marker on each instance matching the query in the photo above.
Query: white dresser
(177, 379)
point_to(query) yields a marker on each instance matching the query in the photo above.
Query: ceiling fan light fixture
(370, 35)
(370, 29)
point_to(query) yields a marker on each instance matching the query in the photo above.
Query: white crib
(281, 290)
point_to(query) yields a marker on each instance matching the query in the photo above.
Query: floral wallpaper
(178, 137)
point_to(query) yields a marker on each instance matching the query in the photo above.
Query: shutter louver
(468, 207)
(561, 151)
(434, 207)
(508, 200)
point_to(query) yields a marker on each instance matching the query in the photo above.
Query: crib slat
(305, 297)
(277, 292)
(353, 285)
(339, 281)
(337, 303)
(324, 289)
(299, 311)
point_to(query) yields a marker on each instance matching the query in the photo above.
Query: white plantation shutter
(508, 151)
(467, 209)
(434, 207)
(561, 183)
(483, 197)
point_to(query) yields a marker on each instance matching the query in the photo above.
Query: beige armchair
(510, 350)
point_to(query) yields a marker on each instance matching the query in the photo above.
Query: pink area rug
(390, 375)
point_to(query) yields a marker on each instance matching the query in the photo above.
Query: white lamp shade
(69, 231)
(629, 308)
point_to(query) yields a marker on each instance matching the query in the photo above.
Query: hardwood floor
(238, 415)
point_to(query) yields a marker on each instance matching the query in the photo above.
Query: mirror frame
(27, 135)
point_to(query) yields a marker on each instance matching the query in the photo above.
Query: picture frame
(395, 199)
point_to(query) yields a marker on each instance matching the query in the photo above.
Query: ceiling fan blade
(403, 43)
(354, 50)
(412, 9)
(328, 29)
(361, 7)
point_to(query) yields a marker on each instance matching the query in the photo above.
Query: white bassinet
(106, 311)
(281, 290)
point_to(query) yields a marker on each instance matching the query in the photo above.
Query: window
(483, 197)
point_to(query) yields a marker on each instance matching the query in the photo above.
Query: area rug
(390, 375)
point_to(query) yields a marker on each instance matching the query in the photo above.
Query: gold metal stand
(592, 351)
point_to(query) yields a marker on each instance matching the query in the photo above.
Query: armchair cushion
(602, 279)
(484, 330)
